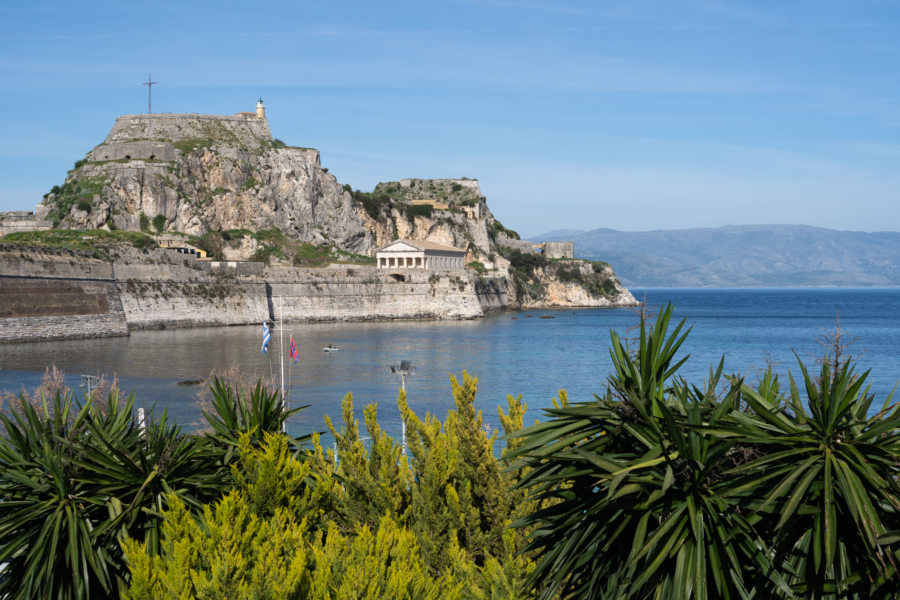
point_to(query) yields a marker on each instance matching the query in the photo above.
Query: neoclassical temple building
(408, 254)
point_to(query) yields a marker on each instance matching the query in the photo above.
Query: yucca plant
(236, 411)
(663, 490)
(56, 536)
(76, 476)
(635, 501)
(137, 469)
(826, 483)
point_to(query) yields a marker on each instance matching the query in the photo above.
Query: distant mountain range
(741, 256)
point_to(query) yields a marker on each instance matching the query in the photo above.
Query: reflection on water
(509, 353)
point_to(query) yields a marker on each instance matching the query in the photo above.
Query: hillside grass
(81, 192)
(274, 245)
(94, 242)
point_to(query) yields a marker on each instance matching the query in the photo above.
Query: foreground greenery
(666, 489)
(92, 507)
(658, 488)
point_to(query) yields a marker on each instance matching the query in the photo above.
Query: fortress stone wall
(471, 184)
(50, 308)
(57, 297)
(171, 127)
(513, 244)
(133, 151)
(558, 249)
(152, 136)
(12, 222)
(548, 249)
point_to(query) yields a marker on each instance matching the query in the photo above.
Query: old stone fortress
(202, 173)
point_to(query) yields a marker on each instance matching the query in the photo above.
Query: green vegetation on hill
(523, 267)
(274, 245)
(94, 242)
(192, 145)
(373, 203)
(497, 227)
(442, 190)
(80, 192)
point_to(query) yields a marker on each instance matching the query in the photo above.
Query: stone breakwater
(52, 297)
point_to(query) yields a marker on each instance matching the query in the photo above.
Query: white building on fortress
(408, 254)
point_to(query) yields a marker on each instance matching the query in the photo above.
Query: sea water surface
(510, 353)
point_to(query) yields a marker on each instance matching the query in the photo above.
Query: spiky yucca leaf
(635, 504)
(826, 483)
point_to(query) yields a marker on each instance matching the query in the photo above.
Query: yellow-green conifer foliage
(368, 523)
(459, 494)
(375, 478)
(373, 565)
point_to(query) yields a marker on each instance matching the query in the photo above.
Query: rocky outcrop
(207, 173)
(580, 285)
(197, 174)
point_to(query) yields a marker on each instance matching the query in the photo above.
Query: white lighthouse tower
(260, 109)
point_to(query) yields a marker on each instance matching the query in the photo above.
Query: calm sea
(517, 353)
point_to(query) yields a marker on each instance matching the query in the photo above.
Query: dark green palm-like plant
(661, 489)
(56, 536)
(78, 476)
(635, 501)
(236, 411)
(826, 483)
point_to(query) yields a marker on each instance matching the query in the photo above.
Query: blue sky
(572, 114)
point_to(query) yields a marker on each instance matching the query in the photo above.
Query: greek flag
(267, 335)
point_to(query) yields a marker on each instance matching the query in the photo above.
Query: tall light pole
(403, 370)
(88, 383)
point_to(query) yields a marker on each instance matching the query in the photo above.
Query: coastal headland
(181, 220)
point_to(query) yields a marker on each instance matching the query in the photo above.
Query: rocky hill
(199, 173)
(232, 189)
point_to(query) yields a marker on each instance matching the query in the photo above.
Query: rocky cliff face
(207, 173)
(200, 173)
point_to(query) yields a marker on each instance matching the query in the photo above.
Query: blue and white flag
(267, 335)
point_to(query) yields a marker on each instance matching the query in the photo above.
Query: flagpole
(281, 347)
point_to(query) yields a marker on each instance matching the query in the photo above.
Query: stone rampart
(12, 222)
(133, 151)
(362, 293)
(513, 244)
(558, 249)
(493, 293)
(160, 304)
(27, 264)
(58, 298)
(548, 249)
(34, 309)
(168, 127)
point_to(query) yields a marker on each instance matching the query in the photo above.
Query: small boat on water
(330, 348)
(547, 317)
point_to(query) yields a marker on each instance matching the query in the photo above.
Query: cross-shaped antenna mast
(149, 85)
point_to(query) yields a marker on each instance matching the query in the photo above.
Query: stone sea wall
(170, 298)
(50, 308)
(493, 293)
(60, 297)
